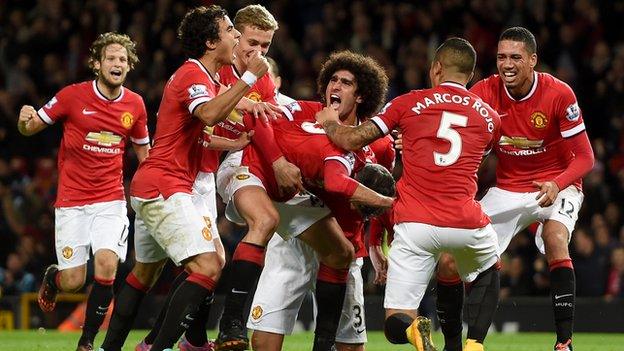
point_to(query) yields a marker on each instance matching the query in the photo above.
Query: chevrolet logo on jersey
(520, 142)
(103, 138)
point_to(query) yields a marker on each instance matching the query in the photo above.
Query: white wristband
(249, 78)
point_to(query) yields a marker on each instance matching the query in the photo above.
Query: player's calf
(481, 303)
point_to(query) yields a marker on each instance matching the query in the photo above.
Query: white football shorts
(415, 251)
(511, 212)
(171, 228)
(289, 273)
(296, 215)
(226, 172)
(205, 200)
(96, 226)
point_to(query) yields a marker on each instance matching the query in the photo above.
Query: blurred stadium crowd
(43, 47)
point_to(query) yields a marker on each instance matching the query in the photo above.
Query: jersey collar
(101, 96)
(201, 66)
(453, 84)
(531, 92)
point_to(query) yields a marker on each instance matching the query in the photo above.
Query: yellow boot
(473, 345)
(419, 334)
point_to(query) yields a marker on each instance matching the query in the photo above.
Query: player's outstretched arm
(336, 180)
(227, 144)
(217, 109)
(28, 122)
(348, 137)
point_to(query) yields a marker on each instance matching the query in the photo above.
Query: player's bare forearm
(349, 137)
(217, 109)
(141, 151)
(367, 197)
(226, 144)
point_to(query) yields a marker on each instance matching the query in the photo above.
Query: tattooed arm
(347, 137)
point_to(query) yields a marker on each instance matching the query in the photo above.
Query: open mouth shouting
(334, 101)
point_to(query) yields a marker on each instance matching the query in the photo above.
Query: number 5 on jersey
(446, 131)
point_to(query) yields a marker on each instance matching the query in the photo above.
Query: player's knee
(72, 281)
(395, 326)
(106, 262)
(341, 258)
(447, 269)
(207, 264)
(264, 225)
(265, 341)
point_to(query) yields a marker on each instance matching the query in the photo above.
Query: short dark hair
(198, 26)
(458, 53)
(378, 179)
(371, 79)
(520, 34)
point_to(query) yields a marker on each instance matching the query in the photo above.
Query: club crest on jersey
(573, 112)
(67, 252)
(255, 96)
(538, 120)
(256, 312)
(103, 138)
(127, 119)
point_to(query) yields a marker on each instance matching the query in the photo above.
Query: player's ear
(96, 65)
(533, 60)
(211, 44)
(359, 99)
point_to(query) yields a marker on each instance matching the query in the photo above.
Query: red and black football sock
(331, 287)
(563, 293)
(184, 303)
(196, 332)
(97, 306)
(245, 269)
(127, 303)
(151, 336)
(395, 328)
(481, 303)
(449, 304)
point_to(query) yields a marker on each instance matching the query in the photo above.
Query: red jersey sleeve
(57, 108)
(384, 151)
(139, 134)
(336, 178)
(195, 89)
(268, 90)
(391, 114)
(569, 113)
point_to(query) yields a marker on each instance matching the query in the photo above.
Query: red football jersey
(232, 127)
(530, 146)
(174, 160)
(446, 132)
(95, 130)
(383, 151)
(304, 143)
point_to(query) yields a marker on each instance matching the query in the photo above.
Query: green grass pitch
(53, 340)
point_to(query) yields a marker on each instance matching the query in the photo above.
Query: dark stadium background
(43, 47)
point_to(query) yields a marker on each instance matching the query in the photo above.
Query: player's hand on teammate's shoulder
(266, 111)
(257, 63)
(548, 192)
(287, 176)
(328, 113)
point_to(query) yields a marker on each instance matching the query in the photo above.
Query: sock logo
(238, 291)
(557, 297)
